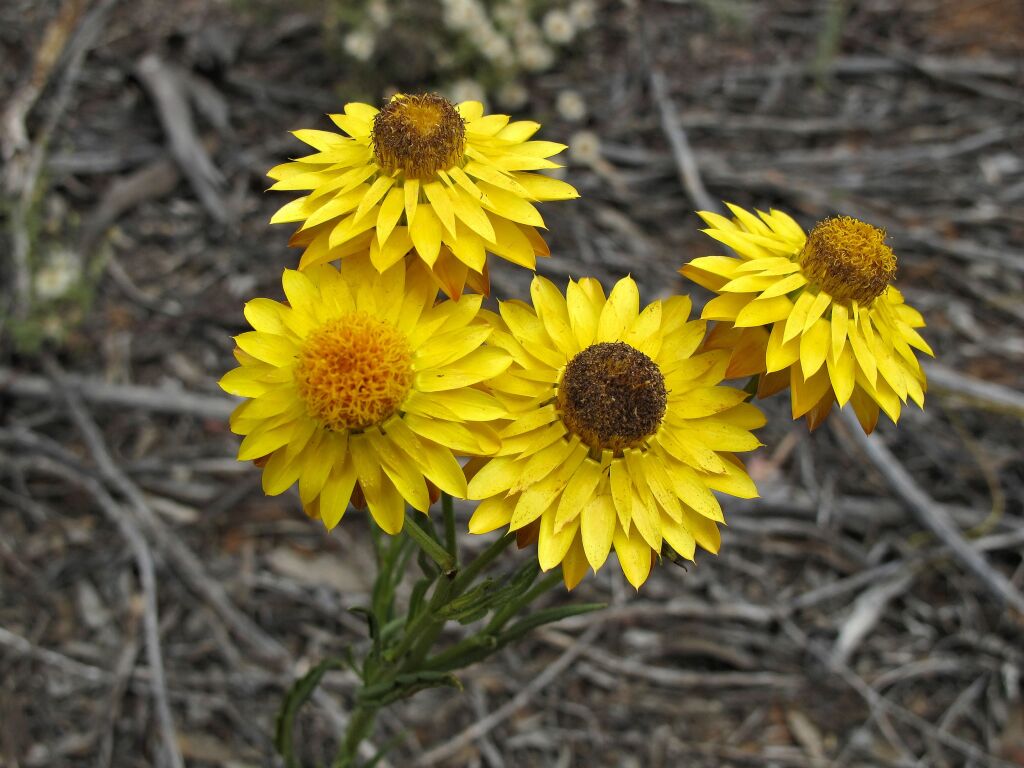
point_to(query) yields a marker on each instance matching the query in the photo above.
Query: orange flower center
(848, 259)
(354, 372)
(418, 135)
(612, 396)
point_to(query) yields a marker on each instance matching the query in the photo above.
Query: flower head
(441, 182)
(815, 312)
(619, 434)
(361, 383)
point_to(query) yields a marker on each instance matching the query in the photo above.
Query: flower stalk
(406, 651)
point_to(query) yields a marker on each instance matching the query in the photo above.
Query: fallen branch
(931, 514)
(984, 394)
(94, 391)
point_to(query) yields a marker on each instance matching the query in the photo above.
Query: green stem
(359, 727)
(430, 547)
(485, 558)
(449, 525)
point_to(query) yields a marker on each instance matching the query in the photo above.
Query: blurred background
(830, 631)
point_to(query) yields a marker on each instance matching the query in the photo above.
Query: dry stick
(983, 393)
(878, 702)
(168, 94)
(150, 617)
(484, 725)
(689, 173)
(95, 391)
(674, 678)
(188, 565)
(931, 514)
(66, 664)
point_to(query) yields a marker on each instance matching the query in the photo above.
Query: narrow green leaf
(298, 695)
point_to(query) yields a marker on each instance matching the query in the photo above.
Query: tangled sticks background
(830, 631)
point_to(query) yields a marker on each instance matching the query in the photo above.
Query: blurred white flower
(466, 90)
(513, 95)
(58, 275)
(536, 57)
(494, 46)
(526, 33)
(359, 44)
(507, 15)
(583, 13)
(379, 13)
(558, 27)
(585, 147)
(571, 106)
(460, 14)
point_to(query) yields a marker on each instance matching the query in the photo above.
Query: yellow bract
(573, 471)
(814, 315)
(422, 176)
(360, 378)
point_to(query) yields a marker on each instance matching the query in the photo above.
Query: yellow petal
(426, 234)
(552, 545)
(578, 492)
(441, 204)
(814, 344)
(492, 513)
(620, 311)
(597, 526)
(796, 319)
(337, 492)
(390, 212)
(634, 556)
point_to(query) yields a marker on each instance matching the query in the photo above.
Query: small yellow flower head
(362, 387)
(812, 312)
(418, 135)
(848, 259)
(619, 431)
(422, 179)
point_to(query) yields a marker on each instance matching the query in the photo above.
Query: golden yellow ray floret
(361, 386)
(813, 312)
(620, 432)
(425, 178)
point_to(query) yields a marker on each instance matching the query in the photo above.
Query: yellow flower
(423, 175)
(813, 312)
(620, 432)
(361, 378)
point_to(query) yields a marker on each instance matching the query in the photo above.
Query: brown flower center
(418, 135)
(848, 259)
(612, 396)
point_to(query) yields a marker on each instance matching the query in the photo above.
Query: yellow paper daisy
(813, 312)
(423, 175)
(361, 378)
(620, 432)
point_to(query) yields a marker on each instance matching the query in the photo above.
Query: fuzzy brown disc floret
(612, 396)
(418, 135)
(848, 259)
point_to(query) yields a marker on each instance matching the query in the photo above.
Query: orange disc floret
(354, 372)
(849, 259)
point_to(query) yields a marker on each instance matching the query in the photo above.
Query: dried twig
(154, 399)
(985, 394)
(686, 162)
(930, 514)
(484, 725)
(147, 573)
(168, 95)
